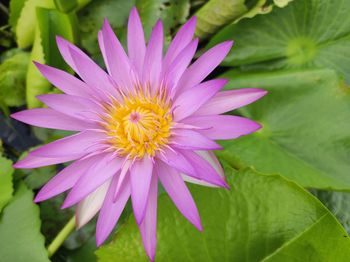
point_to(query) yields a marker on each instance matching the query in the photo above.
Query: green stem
(62, 235)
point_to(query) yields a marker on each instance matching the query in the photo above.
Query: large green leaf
(313, 33)
(338, 203)
(6, 172)
(20, 235)
(306, 132)
(259, 216)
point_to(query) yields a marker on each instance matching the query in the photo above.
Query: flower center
(139, 125)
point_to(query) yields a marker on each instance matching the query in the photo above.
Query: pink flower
(150, 117)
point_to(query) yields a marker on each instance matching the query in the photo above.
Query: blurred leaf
(6, 188)
(53, 217)
(338, 203)
(306, 132)
(314, 33)
(172, 12)
(12, 78)
(20, 235)
(35, 83)
(23, 16)
(91, 19)
(50, 24)
(37, 177)
(218, 13)
(53, 23)
(84, 253)
(261, 215)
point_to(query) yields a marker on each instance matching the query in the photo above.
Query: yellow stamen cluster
(139, 125)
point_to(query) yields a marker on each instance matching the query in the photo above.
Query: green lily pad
(306, 128)
(20, 236)
(260, 216)
(338, 203)
(313, 34)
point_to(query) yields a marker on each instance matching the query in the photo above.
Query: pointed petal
(116, 58)
(33, 162)
(190, 100)
(73, 106)
(136, 41)
(64, 81)
(111, 211)
(182, 38)
(92, 74)
(153, 58)
(229, 100)
(140, 177)
(95, 177)
(192, 140)
(49, 118)
(213, 161)
(77, 145)
(223, 126)
(176, 160)
(210, 157)
(66, 178)
(204, 170)
(179, 193)
(148, 227)
(89, 206)
(203, 66)
(174, 72)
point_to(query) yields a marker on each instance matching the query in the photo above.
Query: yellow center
(139, 125)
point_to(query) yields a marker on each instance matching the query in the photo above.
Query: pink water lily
(149, 117)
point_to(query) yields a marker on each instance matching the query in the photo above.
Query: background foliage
(289, 181)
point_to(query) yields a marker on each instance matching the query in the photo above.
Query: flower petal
(70, 105)
(192, 140)
(93, 75)
(77, 145)
(111, 211)
(210, 157)
(203, 66)
(204, 170)
(49, 118)
(190, 100)
(136, 41)
(89, 206)
(66, 178)
(34, 162)
(229, 100)
(177, 160)
(179, 193)
(64, 81)
(116, 58)
(97, 175)
(213, 161)
(148, 227)
(182, 38)
(223, 126)
(173, 73)
(140, 177)
(153, 58)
